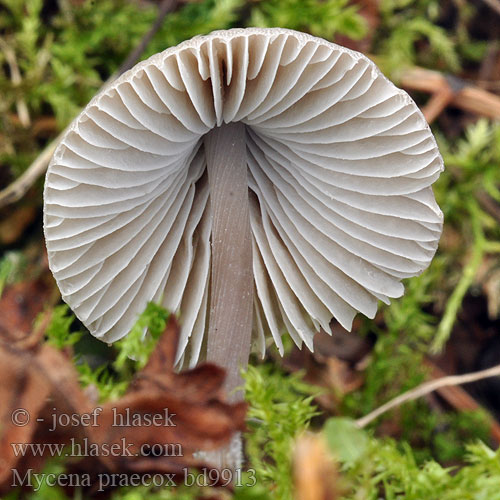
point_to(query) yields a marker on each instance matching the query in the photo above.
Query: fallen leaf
(154, 428)
(315, 471)
(37, 387)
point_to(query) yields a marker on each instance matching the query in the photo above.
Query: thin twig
(427, 388)
(465, 96)
(21, 185)
(437, 103)
(165, 7)
(457, 397)
(15, 76)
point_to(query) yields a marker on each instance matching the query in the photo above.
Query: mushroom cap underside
(340, 167)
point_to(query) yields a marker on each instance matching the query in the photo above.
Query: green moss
(281, 406)
(321, 18)
(64, 56)
(385, 469)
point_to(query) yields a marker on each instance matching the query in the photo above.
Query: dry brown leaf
(315, 471)
(37, 386)
(179, 413)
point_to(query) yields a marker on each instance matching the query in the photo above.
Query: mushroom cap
(340, 167)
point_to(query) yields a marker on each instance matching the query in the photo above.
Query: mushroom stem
(231, 292)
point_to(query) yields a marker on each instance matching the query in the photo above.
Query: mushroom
(250, 180)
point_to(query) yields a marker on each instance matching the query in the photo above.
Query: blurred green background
(56, 54)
